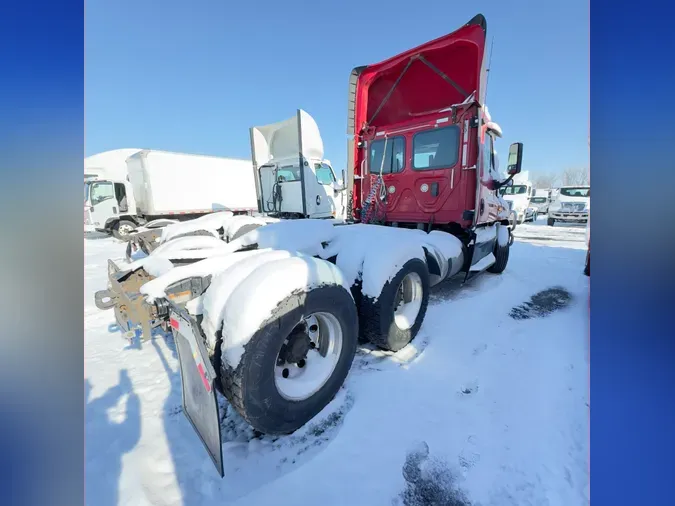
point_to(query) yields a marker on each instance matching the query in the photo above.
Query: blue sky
(194, 76)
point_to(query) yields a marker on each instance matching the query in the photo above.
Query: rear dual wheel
(295, 364)
(393, 319)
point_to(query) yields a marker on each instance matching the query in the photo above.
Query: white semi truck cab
(572, 205)
(541, 200)
(518, 197)
(283, 189)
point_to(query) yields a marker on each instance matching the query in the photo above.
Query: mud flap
(200, 404)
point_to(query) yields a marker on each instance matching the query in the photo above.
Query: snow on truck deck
(488, 405)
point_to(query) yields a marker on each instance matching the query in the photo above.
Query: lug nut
(285, 373)
(301, 363)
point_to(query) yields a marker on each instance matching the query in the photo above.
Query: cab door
(103, 203)
(328, 198)
(386, 160)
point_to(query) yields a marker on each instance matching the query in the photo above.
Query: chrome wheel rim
(306, 368)
(408, 301)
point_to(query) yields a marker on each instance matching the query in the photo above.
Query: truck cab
(519, 198)
(292, 177)
(105, 202)
(423, 154)
(541, 200)
(571, 205)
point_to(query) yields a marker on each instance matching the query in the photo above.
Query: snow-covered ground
(488, 406)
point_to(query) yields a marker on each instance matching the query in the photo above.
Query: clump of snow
(306, 236)
(209, 222)
(242, 297)
(190, 247)
(189, 243)
(502, 235)
(232, 226)
(374, 254)
(210, 266)
(157, 266)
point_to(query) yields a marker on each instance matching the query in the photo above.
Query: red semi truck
(271, 317)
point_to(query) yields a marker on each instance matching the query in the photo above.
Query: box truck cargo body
(167, 183)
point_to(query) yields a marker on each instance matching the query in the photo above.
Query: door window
(324, 174)
(101, 192)
(488, 154)
(121, 196)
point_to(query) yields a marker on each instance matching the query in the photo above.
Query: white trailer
(166, 185)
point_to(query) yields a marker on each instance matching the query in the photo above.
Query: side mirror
(515, 161)
(338, 186)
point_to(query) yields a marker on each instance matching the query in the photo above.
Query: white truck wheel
(295, 364)
(123, 229)
(393, 319)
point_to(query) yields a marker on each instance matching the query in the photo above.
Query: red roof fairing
(425, 79)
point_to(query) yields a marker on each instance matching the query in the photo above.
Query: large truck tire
(393, 319)
(122, 229)
(550, 222)
(501, 254)
(290, 371)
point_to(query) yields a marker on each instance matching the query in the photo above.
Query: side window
(324, 174)
(288, 174)
(121, 197)
(436, 149)
(394, 161)
(487, 147)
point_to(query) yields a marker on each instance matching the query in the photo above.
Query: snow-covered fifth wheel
(271, 317)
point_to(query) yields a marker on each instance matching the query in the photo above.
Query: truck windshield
(86, 191)
(100, 192)
(575, 192)
(518, 189)
(539, 200)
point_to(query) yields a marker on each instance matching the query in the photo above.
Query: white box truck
(162, 185)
